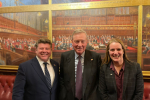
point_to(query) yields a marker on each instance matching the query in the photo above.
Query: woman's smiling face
(116, 52)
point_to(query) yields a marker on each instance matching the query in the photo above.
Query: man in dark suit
(79, 71)
(37, 79)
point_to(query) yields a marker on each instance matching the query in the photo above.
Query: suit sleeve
(62, 89)
(139, 84)
(19, 84)
(99, 61)
(102, 85)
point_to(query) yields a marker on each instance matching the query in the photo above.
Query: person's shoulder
(132, 63)
(105, 66)
(28, 61)
(68, 52)
(52, 60)
(136, 64)
(92, 52)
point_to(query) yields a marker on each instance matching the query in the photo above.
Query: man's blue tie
(47, 75)
(79, 79)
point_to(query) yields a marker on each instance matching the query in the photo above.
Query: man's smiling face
(43, 51)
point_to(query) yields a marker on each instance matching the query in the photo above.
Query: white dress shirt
(49, 67)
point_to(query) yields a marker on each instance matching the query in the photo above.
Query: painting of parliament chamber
(146, 39)
(19, 32)
(100, 24)
(18, 35)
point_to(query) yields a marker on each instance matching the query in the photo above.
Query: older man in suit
(79, 71)
(37, 79)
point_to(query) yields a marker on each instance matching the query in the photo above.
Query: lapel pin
(91, 59)
(54, 65)
(110, 74)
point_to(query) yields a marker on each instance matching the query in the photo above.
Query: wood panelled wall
(96, 32)
(20, 36)
(96, 20)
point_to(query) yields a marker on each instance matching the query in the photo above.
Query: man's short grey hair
(78, 31)
(43, 40)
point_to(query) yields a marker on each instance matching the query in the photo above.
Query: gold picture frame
(86, 5)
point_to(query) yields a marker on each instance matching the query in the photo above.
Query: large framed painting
(18, 35)
(100, 24)
(75, 1)
(146, 39)
(8, 3)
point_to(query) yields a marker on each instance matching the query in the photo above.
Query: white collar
(82, 55)
(41, 62)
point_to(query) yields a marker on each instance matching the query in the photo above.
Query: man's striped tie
(47, 75)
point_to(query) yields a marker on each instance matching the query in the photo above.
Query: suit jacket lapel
(126, 75)
(71, 69)
(87, 69)
(111, 76)
(38, 69)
